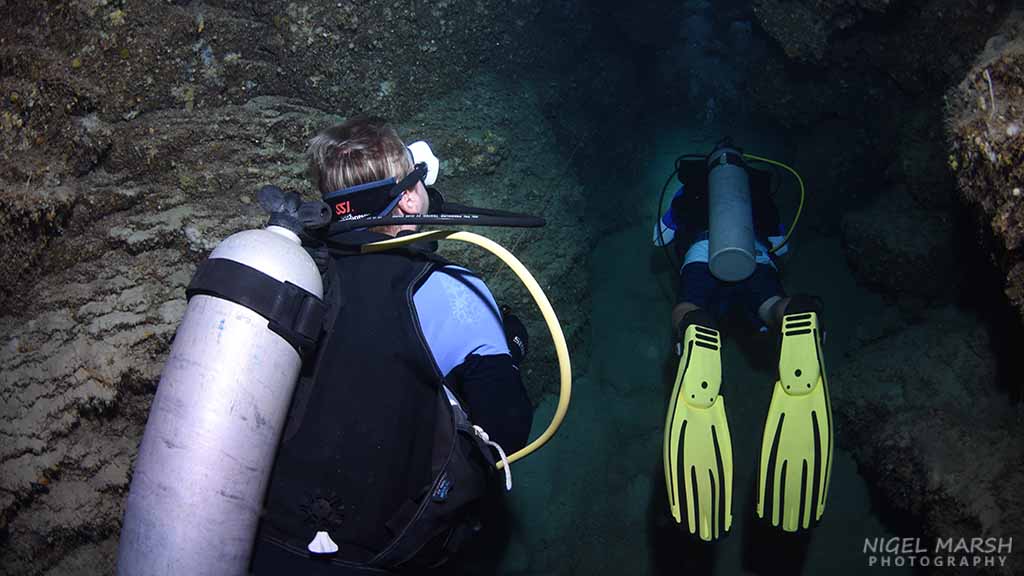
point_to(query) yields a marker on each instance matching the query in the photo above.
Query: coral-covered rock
(984, 123)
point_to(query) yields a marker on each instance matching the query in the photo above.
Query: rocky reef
(933, 434)
(984, 119)
(72, 74)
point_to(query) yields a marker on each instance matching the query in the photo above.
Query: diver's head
(362, 168)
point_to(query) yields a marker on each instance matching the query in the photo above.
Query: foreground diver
(726, 231)
(386, 346)
(359, 447)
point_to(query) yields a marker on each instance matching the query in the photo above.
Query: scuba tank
(730, 217)
(204, 462)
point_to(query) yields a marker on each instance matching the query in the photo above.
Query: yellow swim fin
(697, 451)
(796, 446)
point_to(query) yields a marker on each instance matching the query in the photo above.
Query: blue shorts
(698, 286)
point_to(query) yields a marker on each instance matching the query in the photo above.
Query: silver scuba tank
(731, 224)
(205, 458)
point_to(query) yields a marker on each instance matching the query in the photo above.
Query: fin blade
(697, 449)
(795, 462)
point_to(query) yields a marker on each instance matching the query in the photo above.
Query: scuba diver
(359, 449)
(727, 236)
(338, 399)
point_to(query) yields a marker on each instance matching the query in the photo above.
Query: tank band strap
(727, 158)
(292, 313)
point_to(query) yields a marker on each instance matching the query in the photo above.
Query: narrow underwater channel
(594, 501)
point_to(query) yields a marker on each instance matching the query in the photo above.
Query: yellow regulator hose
(539, 297)
(799, 208)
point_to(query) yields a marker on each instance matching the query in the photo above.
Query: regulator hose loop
(561, 348)
(799, 208)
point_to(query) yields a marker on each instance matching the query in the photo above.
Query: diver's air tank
(731, 225)
(214, 426)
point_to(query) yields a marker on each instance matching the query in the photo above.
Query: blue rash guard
(463, 328)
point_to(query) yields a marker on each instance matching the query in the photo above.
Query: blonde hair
(362, 149)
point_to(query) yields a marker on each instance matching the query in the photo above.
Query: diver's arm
(664, 233)
(493, 393)
(465, 332)
(665, 229)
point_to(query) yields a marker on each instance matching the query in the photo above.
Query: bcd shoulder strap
(333, 303)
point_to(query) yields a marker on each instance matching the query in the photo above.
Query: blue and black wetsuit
(685, 225)
(463, 328)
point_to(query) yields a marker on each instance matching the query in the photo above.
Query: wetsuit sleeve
(495, 398)
(665, 229)
(463, 328)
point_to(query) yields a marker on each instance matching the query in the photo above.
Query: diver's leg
(765, 297)
(774, 308)
(770, 311)
(697, 289)
(680, 312)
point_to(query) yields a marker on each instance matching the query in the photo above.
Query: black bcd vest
(373, 452)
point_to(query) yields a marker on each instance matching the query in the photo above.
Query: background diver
(727, 234)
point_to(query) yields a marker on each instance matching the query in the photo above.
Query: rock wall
(871, 71)
(901, 249)
(872, 63)
(934, 434)
(71, 74)
(819, 31)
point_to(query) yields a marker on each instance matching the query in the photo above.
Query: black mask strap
(417, 175)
